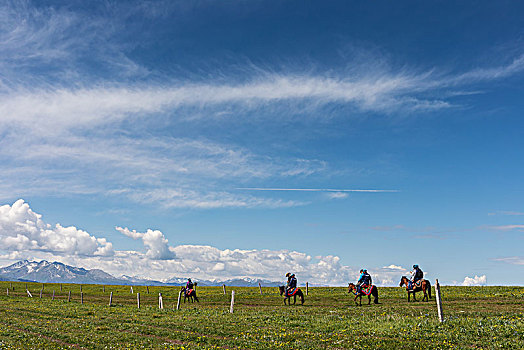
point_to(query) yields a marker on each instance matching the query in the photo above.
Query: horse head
(351, 287)
(281, 289)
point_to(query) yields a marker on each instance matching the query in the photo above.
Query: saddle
(291, 292)
(188, 292)
(367, 289)
(417, 284)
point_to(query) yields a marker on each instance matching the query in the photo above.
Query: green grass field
(475, 318)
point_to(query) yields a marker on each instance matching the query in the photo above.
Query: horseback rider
(189, 285)
(416, 275)
(364, 280)
(291, 282)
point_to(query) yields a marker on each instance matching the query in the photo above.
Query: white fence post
(131, 289)
(110, 298)
(232, 301)
(224, 288)
(160, 301)
(138, 299)
(53, 298)
(260, 288)
(29, 293)
(439, 302)
(7, 291)
(178, 302)
(40, 293)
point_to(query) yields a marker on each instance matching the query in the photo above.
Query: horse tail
(429, 289)
(301, 295)
(375, 294)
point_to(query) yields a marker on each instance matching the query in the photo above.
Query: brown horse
(282, 290)
(425, 287)
(190, 294)
(374, 291)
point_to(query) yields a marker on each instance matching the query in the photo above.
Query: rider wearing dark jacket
(291, 281)
(189, 284)
(416, 275)
(364, 280)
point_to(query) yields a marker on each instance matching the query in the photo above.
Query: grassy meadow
(475, 318)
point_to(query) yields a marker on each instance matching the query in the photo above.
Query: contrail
(310, 189)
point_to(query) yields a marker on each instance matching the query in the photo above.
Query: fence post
(69, 296)
(131, 289)
(53, 298)
(232, 301)
(40, 293)
(160, 301)
(260, 288)
(307, 288)
(60, 286)
(104, 289)
(82, 298)
(138, 299)
(224, 288)
(110, 298)
(178, 302)
(29, 293)
(147, 287)
(7, 291)
(439, 301)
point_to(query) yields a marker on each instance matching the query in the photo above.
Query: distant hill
(56, 272)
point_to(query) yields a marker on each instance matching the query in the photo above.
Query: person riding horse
(364, 280)
(189, 286)
(416, 275)
(291, 282)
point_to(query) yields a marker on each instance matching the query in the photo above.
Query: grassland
(475, 318)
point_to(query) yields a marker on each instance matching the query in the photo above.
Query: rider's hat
(189, 279)
(288, 274)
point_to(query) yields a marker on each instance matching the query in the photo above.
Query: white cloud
(154, 240)
(337, 195)
(23, 235)
(475, 281)
(21, 229)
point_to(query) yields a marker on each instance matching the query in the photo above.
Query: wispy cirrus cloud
(506, 227)
(513, 260)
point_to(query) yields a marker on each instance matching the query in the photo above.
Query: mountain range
(56, 272)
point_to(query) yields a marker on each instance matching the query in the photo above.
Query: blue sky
(136, 137)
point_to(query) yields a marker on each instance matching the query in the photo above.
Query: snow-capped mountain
(56, 272)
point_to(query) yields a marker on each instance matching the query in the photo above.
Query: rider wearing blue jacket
(291, 281)
(364, 280)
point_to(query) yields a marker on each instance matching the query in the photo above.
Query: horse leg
(301, 298)
(369, 299)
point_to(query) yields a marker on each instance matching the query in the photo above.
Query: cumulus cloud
(475, 281)
(154, 240)
(24, 235)
(21, 229)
